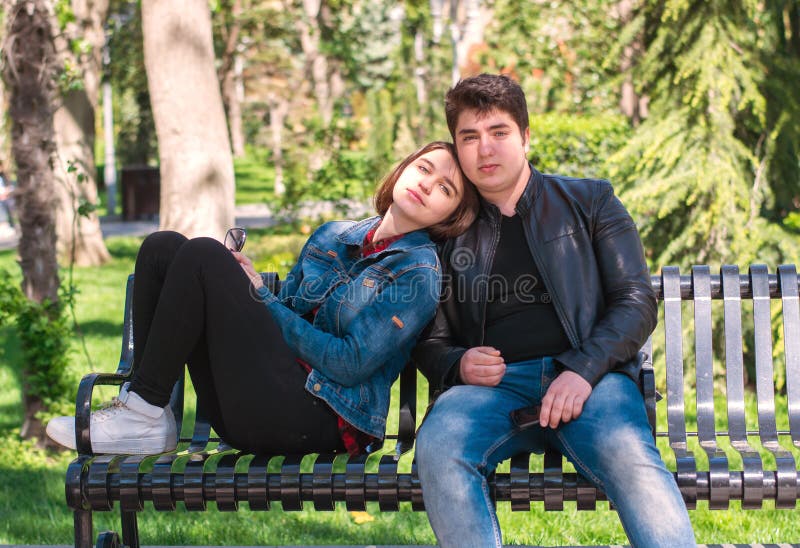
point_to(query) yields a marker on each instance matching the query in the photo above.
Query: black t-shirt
(521, 320)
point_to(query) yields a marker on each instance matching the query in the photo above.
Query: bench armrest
(83, 406)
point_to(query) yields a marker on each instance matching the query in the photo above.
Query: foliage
(44, 332)
(578, 146)
(556, 50)
(693, 173)
(133, 118)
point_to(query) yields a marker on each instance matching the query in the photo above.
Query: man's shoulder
(577, 184)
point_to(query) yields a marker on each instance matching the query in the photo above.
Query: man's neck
(506, 200)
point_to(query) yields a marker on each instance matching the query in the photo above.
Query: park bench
(728, 461)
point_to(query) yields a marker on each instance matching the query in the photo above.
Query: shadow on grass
(124, 247)
(102, 328)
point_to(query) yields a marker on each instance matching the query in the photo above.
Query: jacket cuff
(265, 295)
(452, 376)
(578, 363)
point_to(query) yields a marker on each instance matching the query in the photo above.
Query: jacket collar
(355, 236)
(532, 190)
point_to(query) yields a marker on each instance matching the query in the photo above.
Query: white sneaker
(127, 425)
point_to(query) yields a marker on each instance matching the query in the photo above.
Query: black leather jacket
(590, 257)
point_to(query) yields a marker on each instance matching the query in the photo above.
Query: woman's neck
(392, 225)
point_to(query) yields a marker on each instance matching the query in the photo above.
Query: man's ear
(526, 140)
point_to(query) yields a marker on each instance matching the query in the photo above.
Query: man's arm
(628, 319)
(447, 364)
(437, 355)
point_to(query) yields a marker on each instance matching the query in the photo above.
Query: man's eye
(469, 138)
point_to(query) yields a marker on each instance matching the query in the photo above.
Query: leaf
(361, 517)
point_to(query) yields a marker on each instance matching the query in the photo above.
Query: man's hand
(249, 269)
(482, 365)
(564, 399)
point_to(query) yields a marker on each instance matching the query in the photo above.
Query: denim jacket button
(317, 387)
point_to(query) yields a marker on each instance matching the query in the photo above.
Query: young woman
(308, 370)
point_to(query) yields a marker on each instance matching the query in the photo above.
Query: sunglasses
(235, 238)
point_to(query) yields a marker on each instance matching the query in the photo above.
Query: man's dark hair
(484, 93)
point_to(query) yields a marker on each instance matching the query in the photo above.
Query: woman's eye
(444, 189)
(423, 168)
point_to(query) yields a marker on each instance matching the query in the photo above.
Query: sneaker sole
(133, 447)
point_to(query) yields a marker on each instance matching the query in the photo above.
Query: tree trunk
(278, 110)
(794, 26)
(630, 104)
(197, 190)
(79, 237)
(231, 75)
(233, 96)
(420, 82)
(110, 162)
(315, 61)
(29, 72)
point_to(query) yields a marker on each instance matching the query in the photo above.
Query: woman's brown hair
(465, 212)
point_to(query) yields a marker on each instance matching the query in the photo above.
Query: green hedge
(574, 145)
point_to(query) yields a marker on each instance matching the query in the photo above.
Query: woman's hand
(249, 269)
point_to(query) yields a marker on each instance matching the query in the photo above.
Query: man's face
(492, 150)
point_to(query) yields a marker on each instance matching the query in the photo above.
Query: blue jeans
(469, 431)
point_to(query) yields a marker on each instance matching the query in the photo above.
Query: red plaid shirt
(355, 441)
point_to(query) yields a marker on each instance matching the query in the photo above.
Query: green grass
(33, 511)
(255, 178)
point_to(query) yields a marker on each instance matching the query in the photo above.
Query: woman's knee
(206, 255)
(164, 243)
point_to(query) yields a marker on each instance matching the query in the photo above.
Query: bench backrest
(757, 309)
(701, 288)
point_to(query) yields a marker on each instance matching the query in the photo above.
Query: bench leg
(83, 529)
(130, 530)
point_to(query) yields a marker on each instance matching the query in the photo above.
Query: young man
(549, 301)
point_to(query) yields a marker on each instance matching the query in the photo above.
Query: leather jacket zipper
(568, 329)
(489, 263)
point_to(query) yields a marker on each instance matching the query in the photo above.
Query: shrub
(577, 146)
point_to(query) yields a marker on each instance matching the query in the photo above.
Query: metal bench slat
(790, 302)
(753, 485)
(719, 477)
(786, 473)
(676, 410)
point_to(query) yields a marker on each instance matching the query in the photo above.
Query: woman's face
(429, 189)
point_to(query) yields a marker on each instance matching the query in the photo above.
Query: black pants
(193, 304)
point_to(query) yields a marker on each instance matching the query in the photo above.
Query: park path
(246, 215)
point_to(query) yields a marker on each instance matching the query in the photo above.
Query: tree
(80, 52)
(231, 67)
(557, 51)
(694, 172)
(197, 187)
(30, 70)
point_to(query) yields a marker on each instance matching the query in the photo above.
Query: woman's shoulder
(416, 258)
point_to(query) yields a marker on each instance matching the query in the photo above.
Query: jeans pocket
(549, 374)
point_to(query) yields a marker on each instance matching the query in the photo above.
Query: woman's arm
(389, 325)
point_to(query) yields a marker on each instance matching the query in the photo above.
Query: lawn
(32, 508)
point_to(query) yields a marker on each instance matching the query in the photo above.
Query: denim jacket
(370, 311)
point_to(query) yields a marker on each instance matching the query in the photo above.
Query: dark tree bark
(29, 72)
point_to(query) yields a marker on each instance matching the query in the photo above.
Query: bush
(44, 332)
(577, 146)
